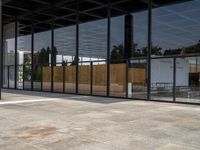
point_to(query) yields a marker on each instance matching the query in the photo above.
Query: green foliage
(37, 74)
(192, 49)
(27, 67)
(43, 55)
(117, 53)
(75, 61)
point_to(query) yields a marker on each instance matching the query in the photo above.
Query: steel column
(52, 48)
(91, 78)
(149, 48)
(32, 54)
(174, 79)
(1, 48)
(108, 46)
(64, 65)
(77, 45)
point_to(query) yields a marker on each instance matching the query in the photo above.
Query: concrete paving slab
(47, 121)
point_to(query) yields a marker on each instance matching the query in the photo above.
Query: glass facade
(98, 48)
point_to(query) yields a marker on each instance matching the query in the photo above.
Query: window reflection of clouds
(176, 26)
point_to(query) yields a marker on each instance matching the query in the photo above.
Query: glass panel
(42, 55)
(137, 78)
(187, 80)
(65, 50)
(117, 66)
(99, 78)
(27, 77)
(84, 78)
(118, 79)
(70, 78)
(11, 76)
(9, 53)
(162, 79)
(23, 56)
(20, 79)
(58, 78)
(5, 77)
(46, 78)
(37, 78)
(92, 47)
(176, 33)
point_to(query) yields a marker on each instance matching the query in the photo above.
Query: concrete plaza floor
(46, 121)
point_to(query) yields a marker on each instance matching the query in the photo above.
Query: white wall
(162, 71)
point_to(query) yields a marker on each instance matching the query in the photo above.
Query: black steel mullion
(64, 78)
(127, 64)
(41, 78)
(91, 78)
(8, 74)
(174, 79)
(149, 48)
(16, 35)
(108, 45)
(23, 68)
(32, 54)
(52, 48)
(77, 46)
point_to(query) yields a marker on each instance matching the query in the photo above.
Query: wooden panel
(118, 80)
(46, 74)
(99, 74)
(137, 75)
(46, 78)
(58, 79)
(84, 74)
(70, 74)
(117, 76)
(58, 74)
(99, 79)
(84, 79)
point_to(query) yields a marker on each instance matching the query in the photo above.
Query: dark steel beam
(5, 1)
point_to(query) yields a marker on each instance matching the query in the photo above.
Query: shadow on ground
(35, 94)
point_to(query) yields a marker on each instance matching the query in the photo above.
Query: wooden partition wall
(99, 79)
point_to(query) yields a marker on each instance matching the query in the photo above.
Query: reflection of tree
(192, 49)
(27, 67)
(37, 73)
(117, 52)
(43, 56)
(156, 50)
(74, 62)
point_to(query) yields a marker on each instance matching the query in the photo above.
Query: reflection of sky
(177, 25)
(174, 26)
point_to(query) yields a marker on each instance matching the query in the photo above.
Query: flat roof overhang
(39, 12)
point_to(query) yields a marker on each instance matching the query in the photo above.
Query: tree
(117, 53)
